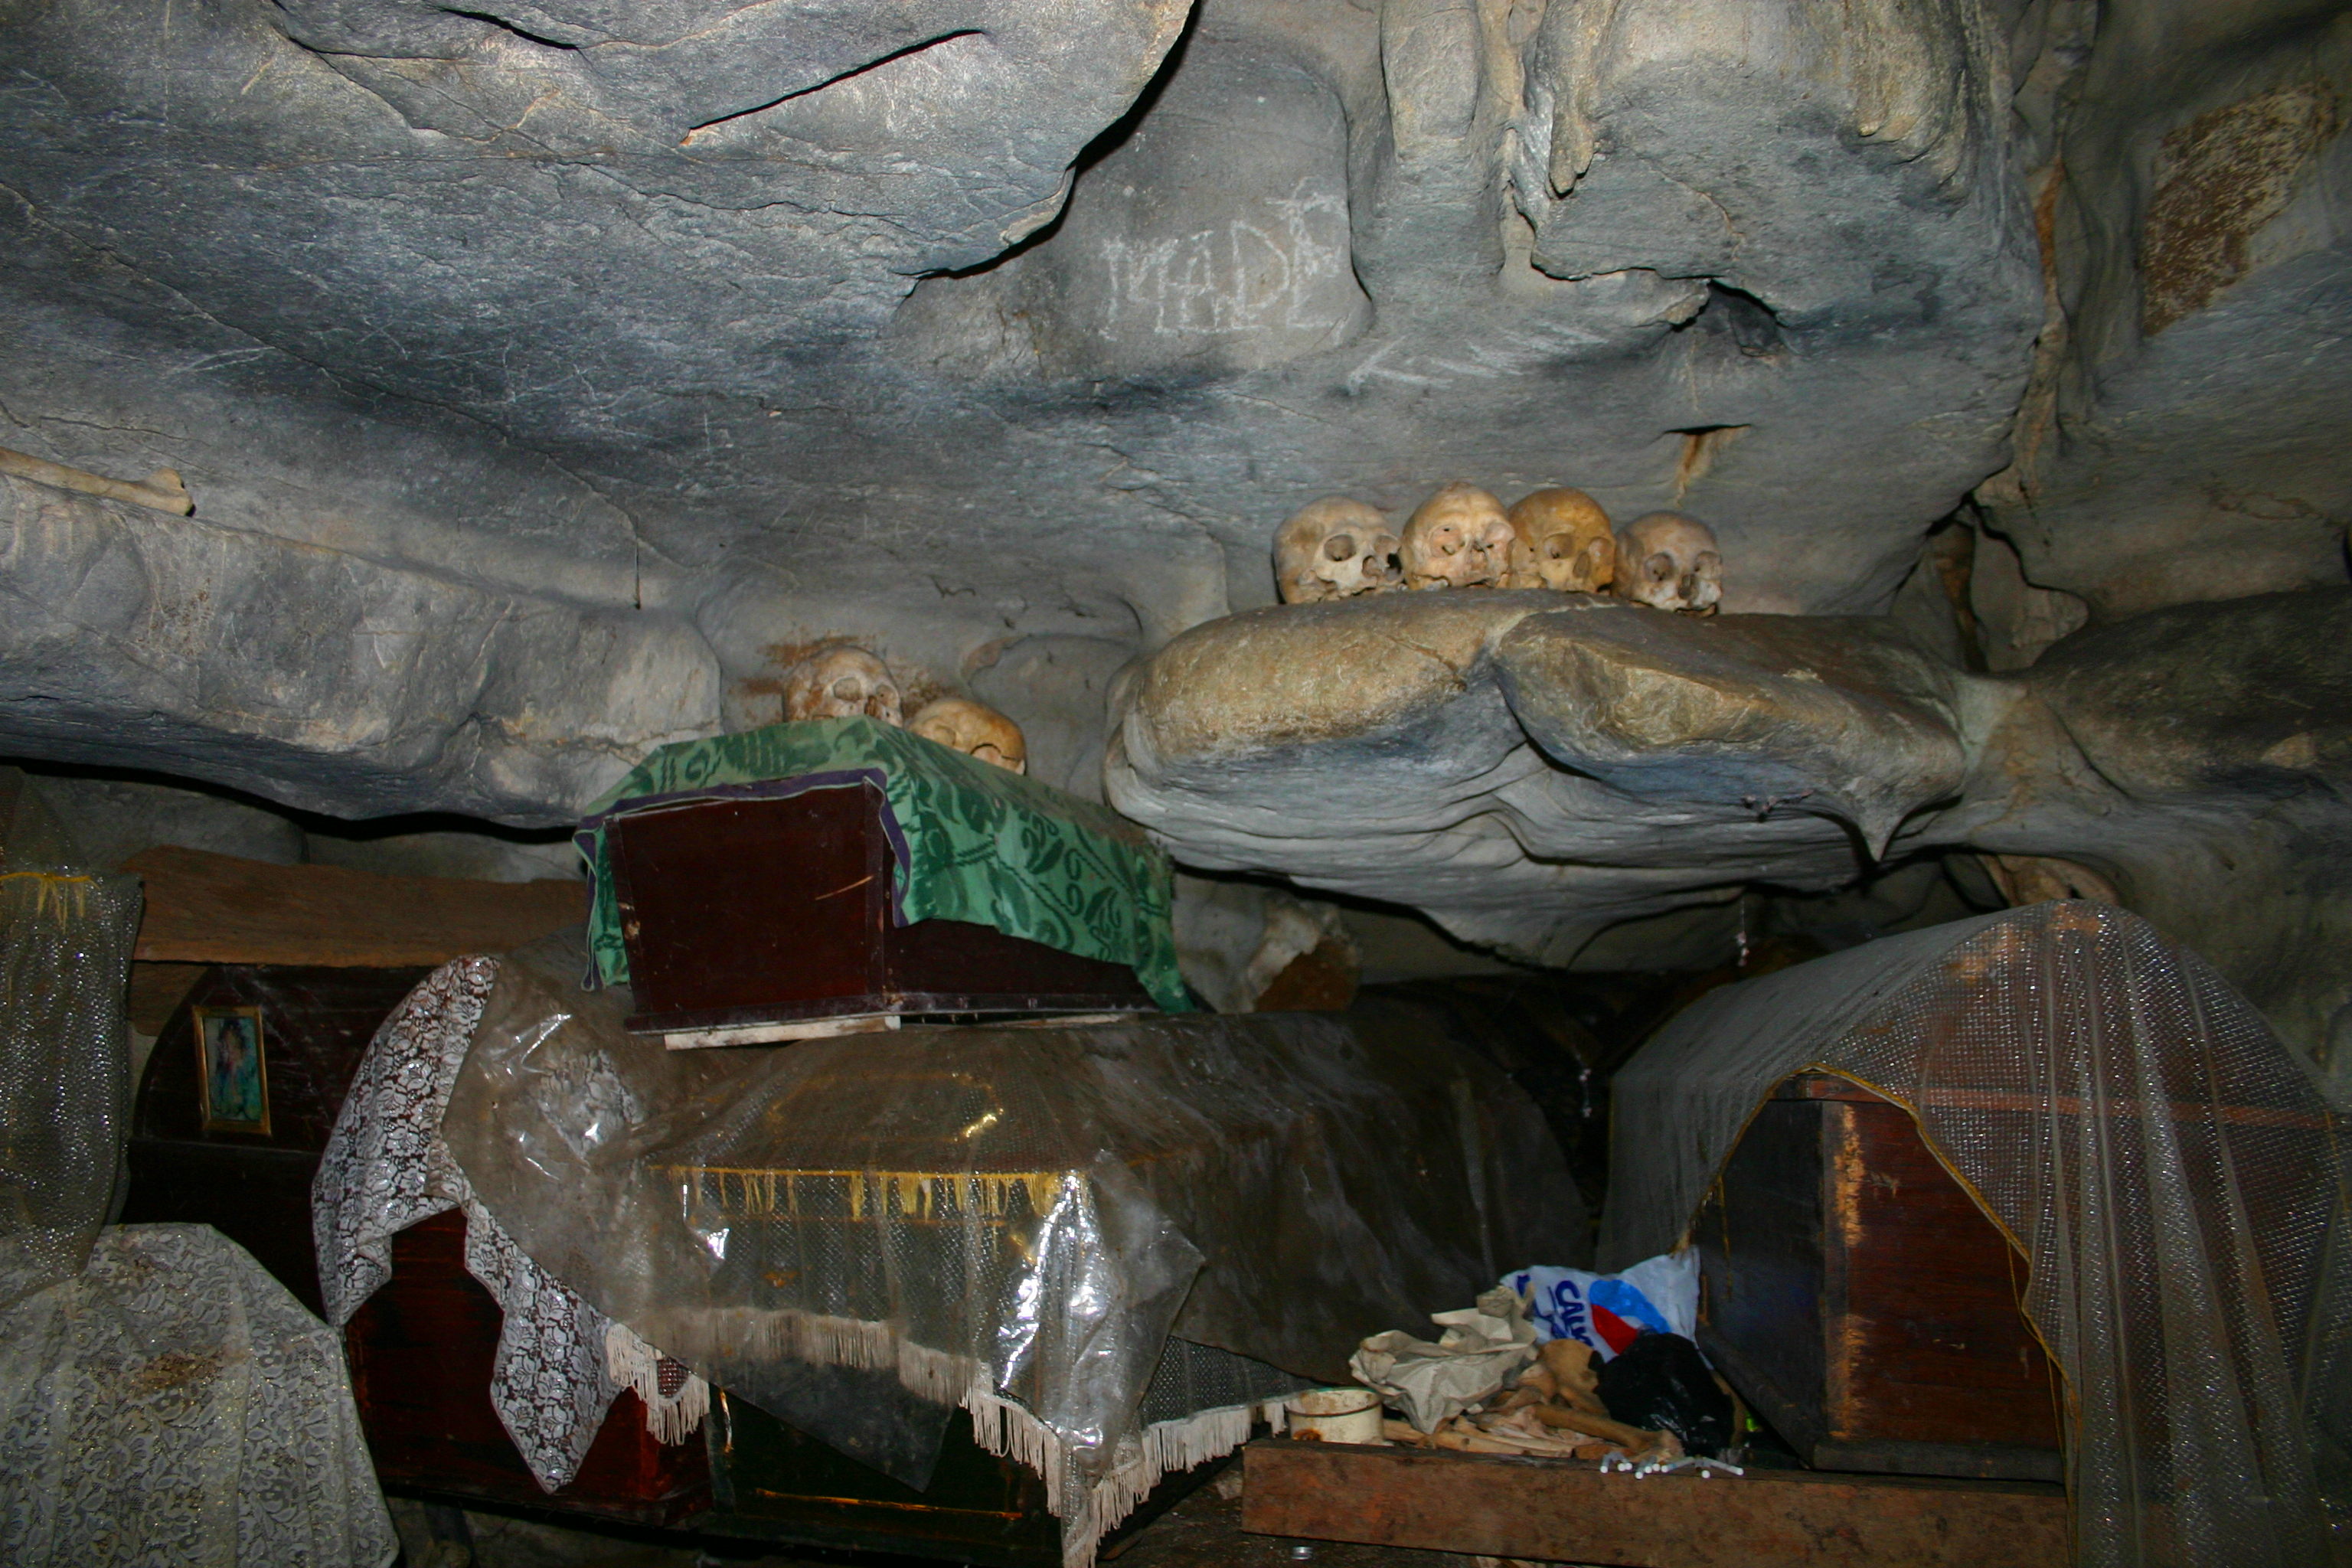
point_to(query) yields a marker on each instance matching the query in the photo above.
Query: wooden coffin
(196, 1162)
(1857, 1298)
(421, 1346)
(420, 1352)
(745, 918)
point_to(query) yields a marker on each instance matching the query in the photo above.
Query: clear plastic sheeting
(1016, 1219)
(65, 1067)
(173, 1405)
(385, 1168)
(2167, 1171)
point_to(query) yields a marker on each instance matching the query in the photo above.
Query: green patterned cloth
(973, 842)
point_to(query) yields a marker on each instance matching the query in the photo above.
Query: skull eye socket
(1708, 561)
(1661, 567)
(1338, 547)
(847, 690)
(1556, 547)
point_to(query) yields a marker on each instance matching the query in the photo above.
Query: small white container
(1335, 1416)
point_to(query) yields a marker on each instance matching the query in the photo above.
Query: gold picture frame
(232, 1070)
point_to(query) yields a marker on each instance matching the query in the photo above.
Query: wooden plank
(203, 908)
(1560, 1511)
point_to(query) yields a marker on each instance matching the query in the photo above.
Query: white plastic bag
(1657, 1295)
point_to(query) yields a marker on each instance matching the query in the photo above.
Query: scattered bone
(1334, 548)
(974, 729)
(1459, 538)
(1562, 541)
(1634, 1439)
(162, 490)
(1669, 562)
(1523, 1432)
(1576, 1382)
(841, 682)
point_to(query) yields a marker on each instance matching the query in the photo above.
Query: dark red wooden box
(1857, 1298)
(421, 1347)
(420, 1352)
(743, 913)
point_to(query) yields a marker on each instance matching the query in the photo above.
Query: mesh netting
(862, 1233)
(2167, 1171)
(65, 1067)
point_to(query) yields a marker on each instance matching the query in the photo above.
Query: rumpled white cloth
(1482, 1350)
(386, 1167)
(173, 1406)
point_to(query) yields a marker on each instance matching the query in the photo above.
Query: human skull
(1334, 548)
(1669, 562)
(974, 729)
(1562, 541)
(841, 682)
(1459, 538)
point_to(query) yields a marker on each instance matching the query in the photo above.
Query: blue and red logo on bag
(1659, 1295)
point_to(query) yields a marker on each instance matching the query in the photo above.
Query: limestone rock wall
(1531, 769)
(546, 376)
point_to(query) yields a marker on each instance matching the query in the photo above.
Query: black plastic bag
(1661, 1382)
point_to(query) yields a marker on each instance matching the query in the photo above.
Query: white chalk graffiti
(1243, 278)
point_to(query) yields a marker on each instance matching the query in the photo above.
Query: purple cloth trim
(768, 789)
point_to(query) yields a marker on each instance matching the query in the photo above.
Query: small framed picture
(230, 1071)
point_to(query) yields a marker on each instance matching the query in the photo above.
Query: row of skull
(841, 680)
(1462, 537)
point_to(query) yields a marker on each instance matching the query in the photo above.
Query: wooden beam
(203, 907)
(1562, 1511)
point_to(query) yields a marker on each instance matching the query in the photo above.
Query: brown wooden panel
(1859, 1299)
(1761, 1271)
(156, 992)
(1566, 1512)
(316, 1023)
(258, 1198)
(959, 958)
(218, 908)
(1935, 1347)
(420, 1354)
(772, 1480)
(751, 903)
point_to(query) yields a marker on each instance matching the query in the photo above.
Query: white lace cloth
(386, 1167)
(173, 1405)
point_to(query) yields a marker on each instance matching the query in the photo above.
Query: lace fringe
(1000, 1426)
(629, 1360)
(1005, 1428)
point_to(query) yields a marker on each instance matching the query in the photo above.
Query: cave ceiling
(545, 375)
